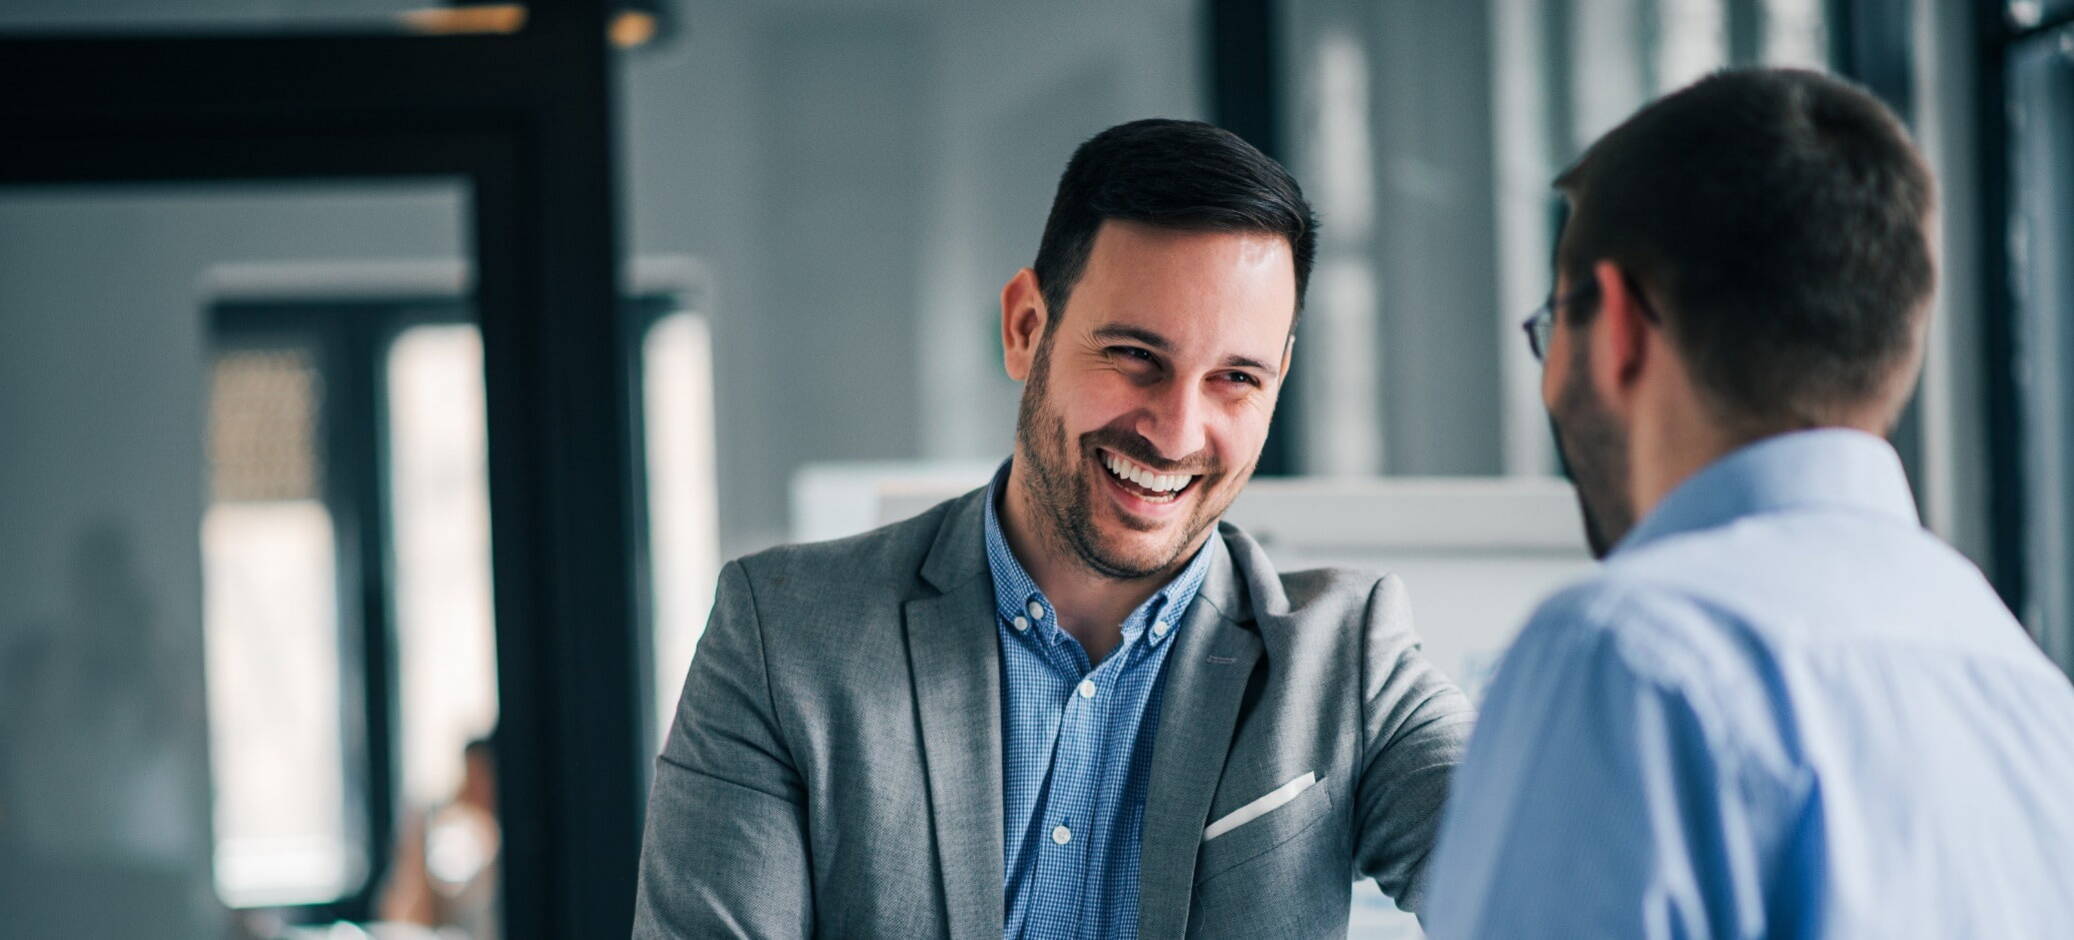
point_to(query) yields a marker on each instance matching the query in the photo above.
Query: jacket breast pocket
(1263, 834)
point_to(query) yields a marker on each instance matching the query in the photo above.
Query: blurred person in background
(1072, 703)
(1782, 707)
(445, 872)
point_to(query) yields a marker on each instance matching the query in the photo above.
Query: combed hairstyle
(1184, 175)
(1778, 220)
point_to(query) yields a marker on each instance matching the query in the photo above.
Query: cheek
(1240, 432)
(1089, 401)
(1552, 368)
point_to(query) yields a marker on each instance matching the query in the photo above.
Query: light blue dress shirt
(1780, 709)
(1076, 750)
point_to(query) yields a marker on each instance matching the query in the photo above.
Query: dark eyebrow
(1247, 362)
(1138, 333)
(1156, 341)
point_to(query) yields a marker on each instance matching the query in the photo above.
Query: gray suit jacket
(835, 765)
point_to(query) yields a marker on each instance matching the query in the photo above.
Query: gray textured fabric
(834, 769)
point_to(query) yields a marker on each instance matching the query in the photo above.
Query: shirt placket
(1105, 792)
(1078, 770)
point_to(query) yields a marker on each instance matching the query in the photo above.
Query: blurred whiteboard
(1477, 552)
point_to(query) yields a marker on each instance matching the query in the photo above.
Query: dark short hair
(1184, 175)
(1779, 219)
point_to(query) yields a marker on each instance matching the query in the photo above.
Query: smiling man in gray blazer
(1072, 703)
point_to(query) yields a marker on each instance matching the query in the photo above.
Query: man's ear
(1619, 338)
(1023, 317)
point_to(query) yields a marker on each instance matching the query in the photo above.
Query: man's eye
(1131, 352)
(1244, 378)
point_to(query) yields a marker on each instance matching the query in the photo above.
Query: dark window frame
(526, 120)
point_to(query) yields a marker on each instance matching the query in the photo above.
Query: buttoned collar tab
(1022, 605)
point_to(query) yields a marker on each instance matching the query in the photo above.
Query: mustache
(1141, 450)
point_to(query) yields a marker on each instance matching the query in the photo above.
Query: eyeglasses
(1540, 324)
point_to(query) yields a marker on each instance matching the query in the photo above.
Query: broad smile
(1144, 491)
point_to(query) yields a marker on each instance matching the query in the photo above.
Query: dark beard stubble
(1594, 450)
(1059, 490)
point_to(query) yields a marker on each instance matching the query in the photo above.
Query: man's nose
(1173, 423)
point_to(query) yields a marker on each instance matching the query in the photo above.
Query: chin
(1124, 550)
(1137, 554)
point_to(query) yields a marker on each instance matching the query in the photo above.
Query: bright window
(271, 619)
(684, 544)
(439, 510)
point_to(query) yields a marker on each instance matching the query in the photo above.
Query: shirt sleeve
(1598, 798)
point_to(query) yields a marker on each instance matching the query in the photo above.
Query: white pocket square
(1260, 807)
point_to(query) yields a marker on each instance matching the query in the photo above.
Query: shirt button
(1061, 835)
(1087, 688)
(1021, 624)
(1160, 628)
(1036, 611)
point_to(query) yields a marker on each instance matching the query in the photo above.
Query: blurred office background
(251, 616)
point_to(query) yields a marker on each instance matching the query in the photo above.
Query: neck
(1091, 606)
(1670, 445)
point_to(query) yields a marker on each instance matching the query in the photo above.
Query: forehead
(1211, 292)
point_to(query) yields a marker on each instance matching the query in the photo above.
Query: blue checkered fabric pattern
(1076, 750)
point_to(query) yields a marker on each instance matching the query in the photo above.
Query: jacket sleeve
(1415, 728)
(725, 851)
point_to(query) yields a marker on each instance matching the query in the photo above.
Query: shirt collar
(1016, 595)
(1834, 468)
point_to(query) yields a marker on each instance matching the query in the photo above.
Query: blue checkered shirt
(1077, 751)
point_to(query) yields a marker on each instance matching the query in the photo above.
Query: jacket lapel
(954, 657)
(1206, 678)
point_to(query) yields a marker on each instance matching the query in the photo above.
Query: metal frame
(1996, 39)
(2009, 568)
(1871, 45)
(526, 120)
(1240, 52)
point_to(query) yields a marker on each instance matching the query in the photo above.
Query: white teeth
(1157, 482)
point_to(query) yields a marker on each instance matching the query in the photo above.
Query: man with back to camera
(1071, 703)
(1781, 708)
